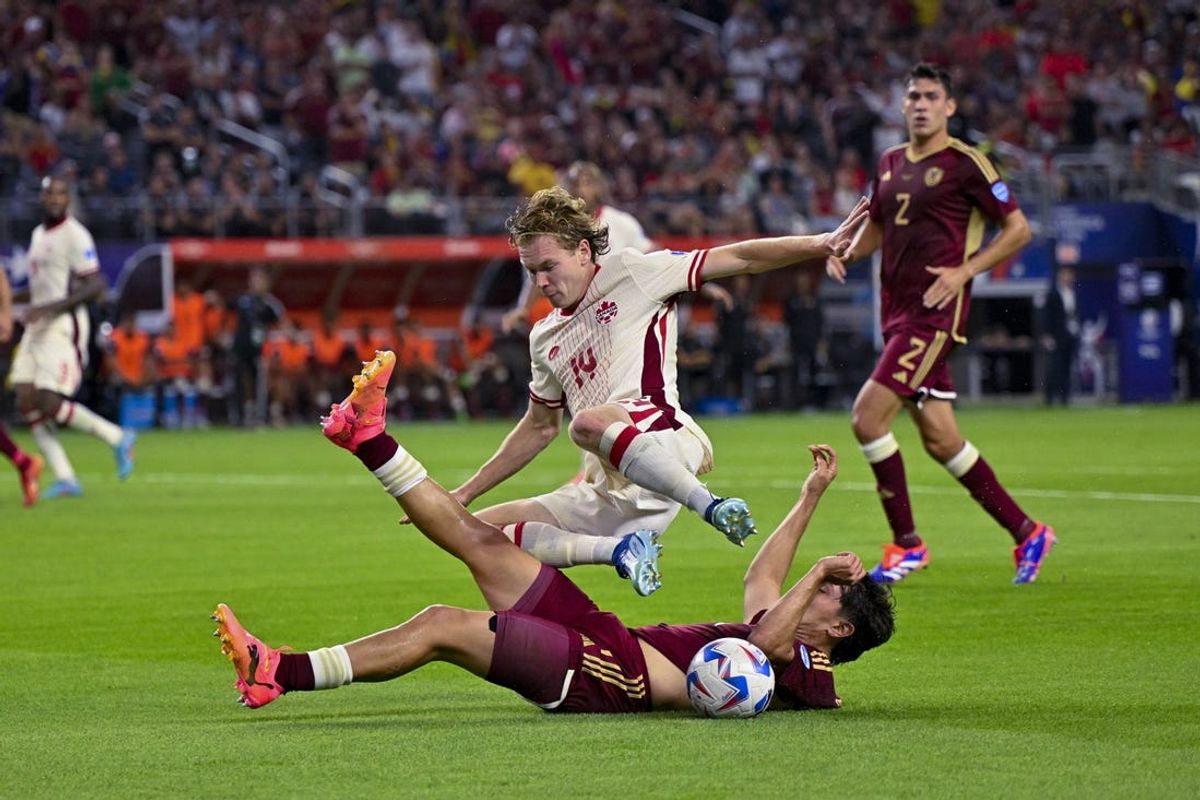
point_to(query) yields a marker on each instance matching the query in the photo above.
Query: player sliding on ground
(607, 353)
(543, 637)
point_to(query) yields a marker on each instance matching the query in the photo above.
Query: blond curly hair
(556, 213)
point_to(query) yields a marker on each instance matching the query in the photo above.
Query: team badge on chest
(606, 312)
(933, 176)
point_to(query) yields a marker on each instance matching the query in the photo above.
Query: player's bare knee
(25, 395)
(866, 427)
(46, 402)
(942, 449)
(437, 625)
(587, 427)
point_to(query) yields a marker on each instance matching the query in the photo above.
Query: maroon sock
(893, 493)
(981, 482)
(295, 673)
(377, 451)
(10, 449)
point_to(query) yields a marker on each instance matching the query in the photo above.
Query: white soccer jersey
(53, 351)
(619, 342)
(623, 231)
(56, 254)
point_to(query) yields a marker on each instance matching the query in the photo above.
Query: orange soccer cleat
(363, 414)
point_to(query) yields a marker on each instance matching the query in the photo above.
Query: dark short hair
(869, 607)
(931, 72)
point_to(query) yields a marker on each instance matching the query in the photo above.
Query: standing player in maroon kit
(543, 637)
(929, 202)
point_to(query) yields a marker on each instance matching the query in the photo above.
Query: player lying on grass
(543, 637)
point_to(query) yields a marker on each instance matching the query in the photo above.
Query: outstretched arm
(763, 255)
(869, 237)
(763, 583)
(535, 431)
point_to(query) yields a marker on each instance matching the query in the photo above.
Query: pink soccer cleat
(255, 662)
(363, 414)
(29, 479)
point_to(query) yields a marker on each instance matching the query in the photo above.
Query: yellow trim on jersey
(635, 690)
(981, 161)
(613, 670)
(974, 240)
(930, 358)
(820, 661)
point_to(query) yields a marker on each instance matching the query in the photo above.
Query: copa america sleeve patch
(1000, 191)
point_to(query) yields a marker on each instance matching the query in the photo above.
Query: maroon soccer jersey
(807, 682)
(932, 214)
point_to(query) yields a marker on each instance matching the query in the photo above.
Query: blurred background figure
(255, 311)
(1060, 335)
(804, 317)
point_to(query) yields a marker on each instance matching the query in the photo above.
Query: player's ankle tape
(401, 473)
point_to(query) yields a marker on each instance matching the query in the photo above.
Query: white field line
(545, 481)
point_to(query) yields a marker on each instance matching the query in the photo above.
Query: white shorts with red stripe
(606, 504)
(52, 356)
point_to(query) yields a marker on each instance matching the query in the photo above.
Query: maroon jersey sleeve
(807, 682)
(984, 187)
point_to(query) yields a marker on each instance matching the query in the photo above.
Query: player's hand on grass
(824, 468)
(844, 569)
(838, 241)
(949, 283)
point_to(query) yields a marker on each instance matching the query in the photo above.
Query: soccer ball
(730, 678)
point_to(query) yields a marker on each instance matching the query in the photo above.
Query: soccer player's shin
(394, 466)
(559, 548)
(648, 464)
(47, 441)
(82, 418)
(973, 472)
(883, 454)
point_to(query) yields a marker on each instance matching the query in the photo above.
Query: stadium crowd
(712, 118)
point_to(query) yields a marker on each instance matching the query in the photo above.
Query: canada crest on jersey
(606, 312)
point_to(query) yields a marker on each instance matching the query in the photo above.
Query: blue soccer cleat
(636, 559)
(67, 488)
(1030, 554)
(731, 516)
(123, 452)
(900, 562)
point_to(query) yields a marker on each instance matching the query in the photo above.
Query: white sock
(648, 464)
(401, 473)
(961, 464)
(559, 548)
(44, 433)
(331, 667)
(82, 418)
(881, 448)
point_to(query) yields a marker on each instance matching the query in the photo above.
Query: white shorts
(608, 505)
(53, 356)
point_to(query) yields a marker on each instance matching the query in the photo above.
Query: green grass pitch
(1083, 684)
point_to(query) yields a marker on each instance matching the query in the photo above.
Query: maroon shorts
(557, 650)
(915, 363)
